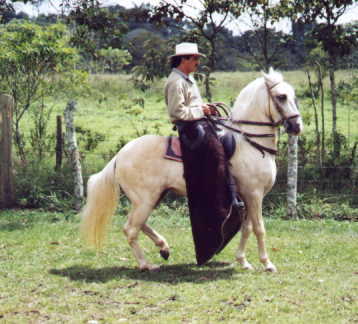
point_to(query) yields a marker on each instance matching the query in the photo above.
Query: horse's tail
(102, 198)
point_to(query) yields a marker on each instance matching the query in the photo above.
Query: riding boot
(235, 198)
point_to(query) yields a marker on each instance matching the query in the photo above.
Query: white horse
(141, 172)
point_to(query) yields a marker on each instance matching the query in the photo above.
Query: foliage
(31, 58)
(88, 139)
(40, 140)
(208, 21)
(38, 185)
(113, 59)
(334, 39)
(7, 11)
(152, 64)
(95, 28)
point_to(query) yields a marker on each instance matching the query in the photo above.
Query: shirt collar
(186, 77)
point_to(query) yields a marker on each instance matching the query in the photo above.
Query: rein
(247, 135)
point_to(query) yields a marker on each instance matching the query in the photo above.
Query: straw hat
(186, 49)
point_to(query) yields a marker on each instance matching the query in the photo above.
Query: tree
(113, 59)
(263, 46)
(7, 11)
(208, 17)
(30, 59)
(155, 52)
(93, 28)
(332, 37)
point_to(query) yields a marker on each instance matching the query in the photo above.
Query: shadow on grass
(14, 226)
(171, 274)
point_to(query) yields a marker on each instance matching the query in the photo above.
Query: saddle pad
(173, 151)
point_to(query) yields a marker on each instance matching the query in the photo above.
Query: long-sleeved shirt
(182, 97)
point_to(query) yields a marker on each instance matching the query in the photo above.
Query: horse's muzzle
(293, 126)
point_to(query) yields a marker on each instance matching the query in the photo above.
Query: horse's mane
(253, 95)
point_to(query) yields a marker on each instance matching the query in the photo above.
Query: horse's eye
(282, 97)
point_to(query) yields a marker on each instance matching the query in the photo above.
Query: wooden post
(292, 177)
(74, 155)
(7, 189)
(59, 143)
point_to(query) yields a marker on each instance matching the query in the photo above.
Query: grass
(113, 107)
(116, 110)
(47, 276)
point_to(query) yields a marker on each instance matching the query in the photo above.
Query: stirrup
(238, 203)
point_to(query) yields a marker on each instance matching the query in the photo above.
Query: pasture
(112, 107)
(48, 276)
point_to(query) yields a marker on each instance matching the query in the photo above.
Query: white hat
(186, 49)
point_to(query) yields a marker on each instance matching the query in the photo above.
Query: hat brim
(191, 54)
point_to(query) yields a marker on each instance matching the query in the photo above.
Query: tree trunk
(210, 69)
(292, 177)
(336, 146)
(323, 127)
(71, 144)
(7, 189)
(316, 122)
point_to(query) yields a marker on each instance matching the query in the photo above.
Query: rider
(184, 103)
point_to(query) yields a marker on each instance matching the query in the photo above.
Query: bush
(39, 185)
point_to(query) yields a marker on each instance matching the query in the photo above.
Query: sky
(238, 26)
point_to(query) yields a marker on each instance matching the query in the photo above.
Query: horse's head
(282, 105)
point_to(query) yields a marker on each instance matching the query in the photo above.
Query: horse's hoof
(245, 264)
(164, 254)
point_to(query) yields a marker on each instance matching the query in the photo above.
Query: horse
(143, 175)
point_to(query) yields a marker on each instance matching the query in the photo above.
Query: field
(114, 109)
(48, 276)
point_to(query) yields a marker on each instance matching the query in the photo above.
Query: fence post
(7, 189)
(292, 177)
(74, 155)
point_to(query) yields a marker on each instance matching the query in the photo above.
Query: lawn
(48, 276)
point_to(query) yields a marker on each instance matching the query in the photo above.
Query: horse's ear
(271, 70)
(265, 75)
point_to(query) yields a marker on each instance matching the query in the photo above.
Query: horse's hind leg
(158, 240)
(136, 220)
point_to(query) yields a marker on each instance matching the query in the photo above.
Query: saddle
(173, 149)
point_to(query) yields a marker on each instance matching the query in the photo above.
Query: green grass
(111, 106)
(47, 276)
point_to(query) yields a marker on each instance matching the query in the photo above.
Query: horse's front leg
(136, 219)
(255, 215)
(241, 254)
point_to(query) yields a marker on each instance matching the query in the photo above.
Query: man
(181, 92)
(210, 186)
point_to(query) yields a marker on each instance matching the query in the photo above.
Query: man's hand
(206, 110)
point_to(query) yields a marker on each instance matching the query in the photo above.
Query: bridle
(278, 108)
(248, 136)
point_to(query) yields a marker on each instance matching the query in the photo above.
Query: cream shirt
(182, 97)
